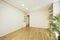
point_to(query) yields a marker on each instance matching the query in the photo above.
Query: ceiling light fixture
(22, 4)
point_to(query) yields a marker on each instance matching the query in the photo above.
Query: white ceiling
(30, 4)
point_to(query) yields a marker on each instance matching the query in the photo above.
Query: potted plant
(55, 25)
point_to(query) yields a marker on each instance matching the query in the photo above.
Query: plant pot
(58, 37)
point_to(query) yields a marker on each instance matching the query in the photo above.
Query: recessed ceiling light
(22, 4)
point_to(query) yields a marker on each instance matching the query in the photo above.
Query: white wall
(39, 18)
(56, 7)
(11, 19)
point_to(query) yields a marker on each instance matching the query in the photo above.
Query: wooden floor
(29, 34)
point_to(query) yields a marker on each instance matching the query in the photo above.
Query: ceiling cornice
(18, 8)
